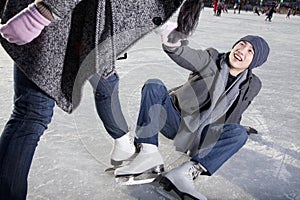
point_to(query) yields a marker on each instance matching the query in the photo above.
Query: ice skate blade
(111, 169)
(154, 170)
(132, 181)
(141, 178)
(116, 162)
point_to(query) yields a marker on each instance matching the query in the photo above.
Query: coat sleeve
(191, 59)
(61, 8)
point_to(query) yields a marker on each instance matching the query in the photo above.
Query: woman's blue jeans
(106, 91)
(158, 114)
(31, 115)
(33, 111)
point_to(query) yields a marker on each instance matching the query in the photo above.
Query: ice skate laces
(131, 140)
(195, 171)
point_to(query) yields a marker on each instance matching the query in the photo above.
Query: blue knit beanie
(260, 47)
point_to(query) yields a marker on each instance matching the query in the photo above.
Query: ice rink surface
(73, 153)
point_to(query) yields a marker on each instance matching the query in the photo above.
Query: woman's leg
(32, 113)
(106, 91)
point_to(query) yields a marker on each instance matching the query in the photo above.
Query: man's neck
(235, 72)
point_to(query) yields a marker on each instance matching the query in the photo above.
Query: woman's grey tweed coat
(64, 56)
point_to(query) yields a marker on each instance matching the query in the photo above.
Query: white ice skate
(144, 168)
(181, 180)
(123, 149)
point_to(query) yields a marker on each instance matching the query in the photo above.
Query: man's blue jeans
(31, 115)
(158, 114)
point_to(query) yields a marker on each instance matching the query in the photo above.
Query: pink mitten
(168, 28)
(25, 26)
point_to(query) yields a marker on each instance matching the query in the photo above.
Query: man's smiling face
(240, 57)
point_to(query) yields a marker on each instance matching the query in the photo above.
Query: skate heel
(158, 169)
(166, 184)
(115, 162)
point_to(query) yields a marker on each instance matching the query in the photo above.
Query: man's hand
(250, 130)
(25, 26)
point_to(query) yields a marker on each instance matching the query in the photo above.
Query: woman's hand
(25, 26)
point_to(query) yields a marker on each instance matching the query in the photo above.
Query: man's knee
(153, 85)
